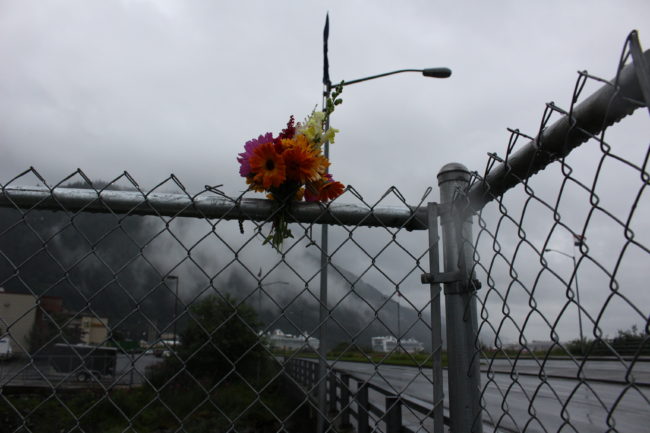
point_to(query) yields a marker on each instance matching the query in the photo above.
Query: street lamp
(322, 316)
(427, 72)
(575, 267)
(175, 278)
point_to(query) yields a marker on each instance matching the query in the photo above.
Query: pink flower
(244, 157)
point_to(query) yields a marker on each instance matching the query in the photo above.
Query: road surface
(522, 403)
(527, 403)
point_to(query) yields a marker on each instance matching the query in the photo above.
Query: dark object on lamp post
(322, 316)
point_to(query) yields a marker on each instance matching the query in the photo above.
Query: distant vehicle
(82, 360)
(6, 352)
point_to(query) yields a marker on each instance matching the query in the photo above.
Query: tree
(221, 339)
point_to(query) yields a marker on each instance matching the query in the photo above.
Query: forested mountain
(104, 264)
(92, 261)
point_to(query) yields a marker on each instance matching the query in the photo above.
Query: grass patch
(419, 360)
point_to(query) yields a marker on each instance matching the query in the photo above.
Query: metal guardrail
(350, 403)
(616, 99)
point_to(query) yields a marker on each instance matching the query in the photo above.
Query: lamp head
(436, 72)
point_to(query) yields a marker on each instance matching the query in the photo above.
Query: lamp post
(427, 72)
(322, 316)
(575, 267)
(175, 278)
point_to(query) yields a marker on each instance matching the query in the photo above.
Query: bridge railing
(351, 406)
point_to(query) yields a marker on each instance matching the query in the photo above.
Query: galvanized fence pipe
(393, 414)
(436, 320)
(460, 306)
(363, 409)
(206, 206)
(345, 401)
(608, 105)
(323, 315)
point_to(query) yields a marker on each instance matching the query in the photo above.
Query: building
(279, 340)
(389, 344)
(22, 315)
(94, 330)
(17, 318)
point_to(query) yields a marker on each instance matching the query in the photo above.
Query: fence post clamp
(445, 278)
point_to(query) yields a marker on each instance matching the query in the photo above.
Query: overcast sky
(161, 87)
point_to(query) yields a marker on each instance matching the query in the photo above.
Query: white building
(279, 340)
(389, 344)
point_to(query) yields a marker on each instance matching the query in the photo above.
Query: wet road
(522, 403)
(610, 370)
(526, 403)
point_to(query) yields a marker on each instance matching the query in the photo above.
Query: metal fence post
(345, 400)
(460, 305)
(322, 333)
(436, 320)
(393, 414)
(362, 408)
(332, 381)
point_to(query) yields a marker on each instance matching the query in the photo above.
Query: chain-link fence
(562, 315)
(158, 310)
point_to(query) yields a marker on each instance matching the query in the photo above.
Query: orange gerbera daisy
(268, 166)
(302, 162)
(330, 190)
(324, 190)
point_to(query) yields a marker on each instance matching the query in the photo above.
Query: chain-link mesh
(563, 258)
(121, 322)
(124, 309)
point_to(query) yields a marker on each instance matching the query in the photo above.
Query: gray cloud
(177, 87)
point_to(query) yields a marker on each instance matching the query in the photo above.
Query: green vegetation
(631, 342)
(423, 360)
(220, 339)
(146, 410)
(222, 379)
(345, 352)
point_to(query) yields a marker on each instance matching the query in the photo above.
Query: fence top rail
(208, 206)
(608, 105)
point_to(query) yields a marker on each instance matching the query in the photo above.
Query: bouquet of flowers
(291, 167)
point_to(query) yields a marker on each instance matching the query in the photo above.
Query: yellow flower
(329, 135)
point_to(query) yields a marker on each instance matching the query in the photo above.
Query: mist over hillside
(115, 266)
(359, 311)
